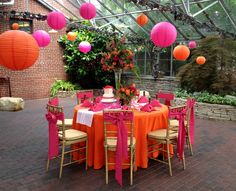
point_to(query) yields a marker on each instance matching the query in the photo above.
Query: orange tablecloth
(144, 122)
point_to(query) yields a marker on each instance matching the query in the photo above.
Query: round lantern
(42, 38)
(15, 26)
(192, 44)
(163, 34)
(87, 11)
(71, 36)
(84, 46)
(56, 20)
(201, 60)
(181, 52)
(142, 19)
(18, 50)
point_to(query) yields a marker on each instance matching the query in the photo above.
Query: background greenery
(218, 74)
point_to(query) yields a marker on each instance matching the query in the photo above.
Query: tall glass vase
(117, 73)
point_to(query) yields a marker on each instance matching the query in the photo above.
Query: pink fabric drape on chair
(53, 149)
(122, 139)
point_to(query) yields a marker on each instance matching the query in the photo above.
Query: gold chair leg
(131, 166)
(135, 167)
(183, 161)
(168, 156)
(106, 158)
(48, 163)
(62, 160)
(86, 155)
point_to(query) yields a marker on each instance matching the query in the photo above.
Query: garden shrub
(218, 74)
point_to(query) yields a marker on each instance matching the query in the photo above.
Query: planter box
(211, 111)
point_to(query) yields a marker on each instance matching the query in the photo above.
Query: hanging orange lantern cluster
(142, 19)
(201, 60)
(18, 50)
(15, 26)
(181, 52)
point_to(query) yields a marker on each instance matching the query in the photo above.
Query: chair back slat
(82, 95)
(165, 97)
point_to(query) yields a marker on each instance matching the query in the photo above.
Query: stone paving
(23, 154)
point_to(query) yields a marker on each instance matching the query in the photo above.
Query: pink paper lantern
(84, 47)
(87, 11)
(163, 34)
(42, 38)
(192, 44)
(56, 20)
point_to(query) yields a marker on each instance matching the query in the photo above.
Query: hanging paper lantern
(163, 34)
(42, 38)
(181, 52)
(84, 46)
(18, 50)
(15, 26)
(142, 19)
(71, 36)
(87, 11)
(201, 60)
(56, 20)
(192, 44)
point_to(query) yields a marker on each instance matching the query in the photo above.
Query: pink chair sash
(182, 132)
(167, 96)
(54, 101)
(84, 95)
(190, 105)
(52, 118)
(122, 139)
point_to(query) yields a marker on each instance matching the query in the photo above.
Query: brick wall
(35, 82)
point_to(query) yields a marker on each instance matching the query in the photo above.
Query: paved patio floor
(23, 154)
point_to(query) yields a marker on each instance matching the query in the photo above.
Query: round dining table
(144, 122)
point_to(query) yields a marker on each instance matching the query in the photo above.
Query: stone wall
(151, 85)
(211, 111)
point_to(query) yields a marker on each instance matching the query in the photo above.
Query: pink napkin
(155, 103)
(98, 99)
(125, 107)
(97, 107)
(147, 108)
(143, 99)
(87, 103)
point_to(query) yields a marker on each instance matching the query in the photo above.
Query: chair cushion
(72, 134)
(68, 122)
(161, 134)
(111, 142)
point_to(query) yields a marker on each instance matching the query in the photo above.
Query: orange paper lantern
(201, 60)
(181, 52)
(142, 19)
(18, 50)
(71, 36)
(15, 26)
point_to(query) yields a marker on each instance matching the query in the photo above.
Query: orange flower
(127, 92)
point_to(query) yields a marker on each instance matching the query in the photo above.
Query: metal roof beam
(227, 13)
(205, 8)
(132, 17)
(102, 4)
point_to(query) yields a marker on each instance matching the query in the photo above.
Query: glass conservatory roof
(194, 19)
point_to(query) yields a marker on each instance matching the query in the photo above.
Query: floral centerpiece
(118, 58)
(126, 94)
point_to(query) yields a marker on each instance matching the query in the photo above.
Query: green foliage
(85, 69)
(62, 85)
(218, 74)
(207, 97)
